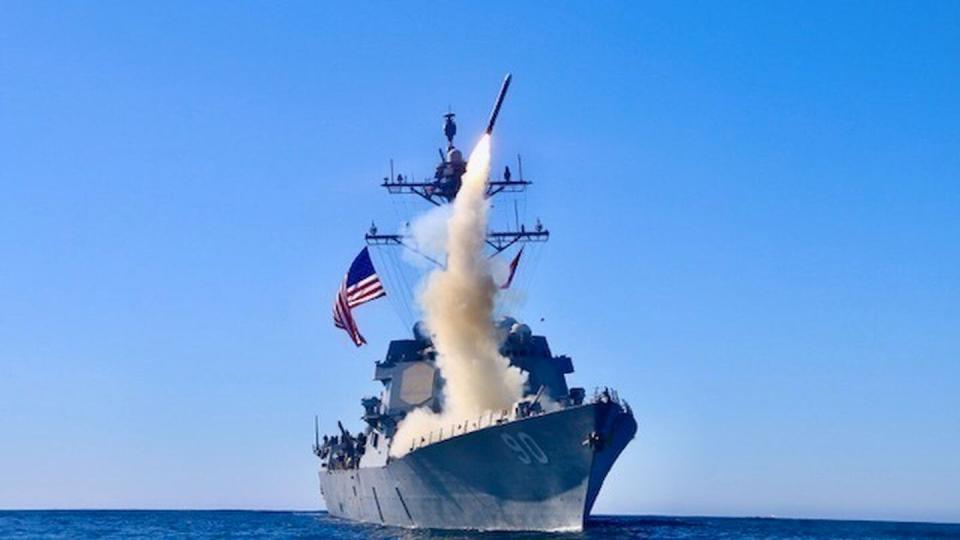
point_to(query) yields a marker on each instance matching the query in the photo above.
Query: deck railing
(468, 425)
(492, 418)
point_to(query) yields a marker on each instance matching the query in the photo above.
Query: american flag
(359, 286)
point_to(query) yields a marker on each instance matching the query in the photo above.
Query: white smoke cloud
(458, 305)
(427, 237)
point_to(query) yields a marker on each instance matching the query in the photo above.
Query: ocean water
(245, 524)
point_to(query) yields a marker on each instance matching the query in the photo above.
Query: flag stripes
(359, 286)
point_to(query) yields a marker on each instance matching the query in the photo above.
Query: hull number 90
(525, 448)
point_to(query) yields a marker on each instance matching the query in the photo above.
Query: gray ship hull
(539, 473)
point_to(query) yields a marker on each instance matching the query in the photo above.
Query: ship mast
(445, 184)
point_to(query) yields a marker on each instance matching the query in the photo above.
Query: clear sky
(755, 212)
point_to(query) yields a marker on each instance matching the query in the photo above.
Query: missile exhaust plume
(458, 304)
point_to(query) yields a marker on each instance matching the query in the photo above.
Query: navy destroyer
(535, 466)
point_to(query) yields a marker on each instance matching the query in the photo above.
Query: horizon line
(592, 516)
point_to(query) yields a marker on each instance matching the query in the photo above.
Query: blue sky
(755, 212)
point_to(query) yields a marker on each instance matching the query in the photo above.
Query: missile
(496, 107)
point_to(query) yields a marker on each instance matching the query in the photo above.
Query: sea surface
(83, 524)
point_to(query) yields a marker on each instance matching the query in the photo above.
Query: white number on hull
(526, 449)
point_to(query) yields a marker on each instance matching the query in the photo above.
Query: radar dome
(420, 331)
(521, 332)
(507, 323)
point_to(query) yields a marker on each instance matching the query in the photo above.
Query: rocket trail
(458, 304)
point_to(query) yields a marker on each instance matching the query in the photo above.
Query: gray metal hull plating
(531, 474)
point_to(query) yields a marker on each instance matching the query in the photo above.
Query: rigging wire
(408, 299)
(399, 268)
(403, 208)
(394, 290)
